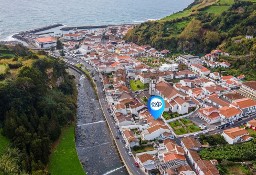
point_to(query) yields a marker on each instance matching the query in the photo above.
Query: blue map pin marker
(156, 106)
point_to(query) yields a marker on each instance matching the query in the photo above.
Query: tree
(9, 162)
(62, 53)
(192, 30)
(59, 45)
(34, 107)
(211, 39)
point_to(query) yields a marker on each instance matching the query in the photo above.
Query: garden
(184, 126)
(142, 148)
(144, 100)
(153, 62)
(170, 115)
(136, 85)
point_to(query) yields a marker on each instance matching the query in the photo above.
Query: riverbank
(64, 159)
(95, 147)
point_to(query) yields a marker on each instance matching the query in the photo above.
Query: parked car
(202, 126)
(130, 153)
(136, 164)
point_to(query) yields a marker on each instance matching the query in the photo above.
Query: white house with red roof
(164, 89)
(186, 82)
(215, 75)
(170, 156)
(189, 59)
(184, 74)
(236, 135)
(130, 138)
(224, 64)
(154, 132)
(209, 114)
(179, 105)
(73, 36)
(229, 114)
(197, 93)
(251, 124)
(202, 167)
(124, 120)
(46, 42)
(216, 101)
(247, 105)
(146, 161)
(200, 69)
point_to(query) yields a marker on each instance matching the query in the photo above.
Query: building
(209, 114)
(170, 67)
(165, 90)
(236, 135)
(73, 36)
(189, 59)
(123, 120)
(130, 139)
(46, 42)
(215, 75)
(179, 105)
(247, 105)
(249, 89)
(216, 101)
(251, 124)
(200, 69)
(146, 161)
(190, 143)
(154, 132)
(202, 167)
(229, 114)
(171, 157)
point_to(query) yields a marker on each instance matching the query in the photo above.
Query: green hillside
(201, 27)
(38, 98)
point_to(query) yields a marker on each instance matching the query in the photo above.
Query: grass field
(4, 142)
(216, 9)
(64, 159)
(181, 14)
(237, 170)
(142, 149)
(184, 126)
(14, 72)
(252, 132)
(226, 2)
(192, 10)
(2, 69)
(170, 115)
(136, 85)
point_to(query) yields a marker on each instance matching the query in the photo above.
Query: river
(95, 147)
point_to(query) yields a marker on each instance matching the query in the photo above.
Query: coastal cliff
(203, 26)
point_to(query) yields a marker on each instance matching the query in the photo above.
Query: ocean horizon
(23, 15)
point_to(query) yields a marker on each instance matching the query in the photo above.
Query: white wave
(138, 21)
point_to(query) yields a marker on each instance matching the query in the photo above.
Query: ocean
(21, 15)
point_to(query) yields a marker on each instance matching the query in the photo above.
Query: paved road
(129, 161)
(237, 123)
(95, 146)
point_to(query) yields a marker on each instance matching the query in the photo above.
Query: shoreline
(17, 37)
(20, 35)
(26, 37)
